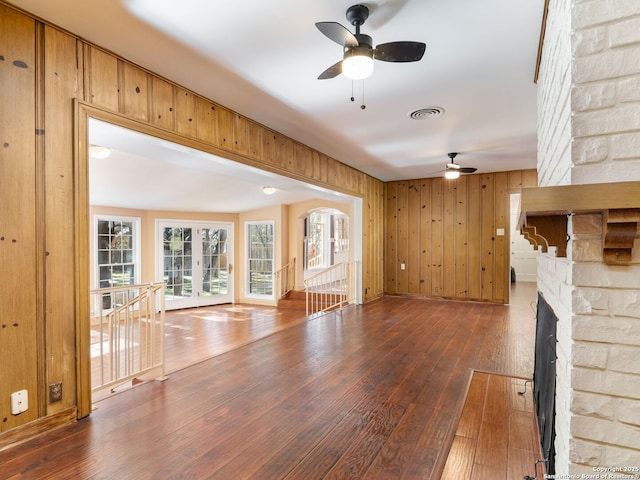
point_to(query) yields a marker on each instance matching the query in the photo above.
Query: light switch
(500, 232)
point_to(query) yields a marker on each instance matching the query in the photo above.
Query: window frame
(135, 240)
(248, 259)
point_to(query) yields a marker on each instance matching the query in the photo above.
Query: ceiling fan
(358, 50)
(453, 170)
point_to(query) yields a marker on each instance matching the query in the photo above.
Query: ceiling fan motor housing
(357, 14)
(364, 47)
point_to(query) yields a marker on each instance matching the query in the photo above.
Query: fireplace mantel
(544, 211)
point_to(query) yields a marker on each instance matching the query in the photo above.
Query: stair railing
(285, 279)
(127, 333)
(332, 288)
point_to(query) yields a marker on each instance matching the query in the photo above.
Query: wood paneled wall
(43, 237)
(441, 236)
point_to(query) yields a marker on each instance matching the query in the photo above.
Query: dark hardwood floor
(374, 392)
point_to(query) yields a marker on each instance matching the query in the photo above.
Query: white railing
(127, 333)
(285, 279)
(333, 288)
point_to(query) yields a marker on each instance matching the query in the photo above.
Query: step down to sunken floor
(496, 436)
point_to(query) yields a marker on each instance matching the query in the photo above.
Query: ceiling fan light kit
(359, 53)
(357, 64)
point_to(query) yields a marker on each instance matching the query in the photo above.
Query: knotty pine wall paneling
(185, 112)
(20, 326)
(206, 121)
(461, 236)
(413, 232)
(101, 78)
(403, 236)
(445, 232)
(162, 108)
(62, 81)
(448, 245)
(134, 91)
(224, 128)
(501, 251)
(391, 237)
(424, 243)
(487, 237)
(437, 237)
(43, 240)
(474, 227)
(374, 226)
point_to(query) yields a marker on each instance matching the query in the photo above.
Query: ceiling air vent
(428, 112)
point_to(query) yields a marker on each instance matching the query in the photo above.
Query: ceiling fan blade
(339, 34)
(467, 169)
(399, 51)
(331, 72)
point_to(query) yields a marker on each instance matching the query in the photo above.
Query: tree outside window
(260, 258)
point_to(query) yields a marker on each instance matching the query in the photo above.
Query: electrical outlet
(55, 392)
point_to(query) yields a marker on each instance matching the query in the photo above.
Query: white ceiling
(149, 173)
(262, 58)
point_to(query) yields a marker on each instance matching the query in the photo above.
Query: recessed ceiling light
(96, 151)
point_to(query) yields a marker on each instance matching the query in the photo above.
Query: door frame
(83, 112)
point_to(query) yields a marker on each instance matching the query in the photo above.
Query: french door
(196, 263)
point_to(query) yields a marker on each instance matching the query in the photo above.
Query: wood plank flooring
(496, 434)
(374, 392)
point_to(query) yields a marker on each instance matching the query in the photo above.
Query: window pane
(260, 259)
(115, 255)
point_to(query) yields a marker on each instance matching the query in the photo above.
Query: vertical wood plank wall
(20, 278)
(42, 71)
(444, 233)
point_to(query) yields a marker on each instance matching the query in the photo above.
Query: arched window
(326, 238)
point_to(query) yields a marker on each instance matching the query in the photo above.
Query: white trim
(137, 233)
(247, 244)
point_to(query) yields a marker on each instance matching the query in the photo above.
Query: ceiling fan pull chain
(363, 106)
(353, 98)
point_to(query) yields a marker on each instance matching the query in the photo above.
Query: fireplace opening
(544, 379)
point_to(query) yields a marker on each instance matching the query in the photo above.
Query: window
(260, 258)
(315, 240)
(326, 239)
(117, 255)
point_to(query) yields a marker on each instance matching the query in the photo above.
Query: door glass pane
(177, 258)
(214, 261)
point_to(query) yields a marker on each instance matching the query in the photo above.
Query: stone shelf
(544, 211)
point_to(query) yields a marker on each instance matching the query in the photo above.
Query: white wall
(523, 258)
(589, 124)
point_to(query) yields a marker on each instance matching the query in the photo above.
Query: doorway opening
(201, 198)
(523, 257)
